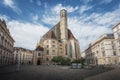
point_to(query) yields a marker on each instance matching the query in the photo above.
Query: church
(59, 41)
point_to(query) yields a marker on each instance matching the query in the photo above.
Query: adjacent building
(59, 41)
(38, 56)
(6, 45)
(23, 56)
(102, 51)
(116, 30)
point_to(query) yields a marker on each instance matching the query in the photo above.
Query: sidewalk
(110, 75)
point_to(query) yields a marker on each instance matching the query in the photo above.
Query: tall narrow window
(39, 54)
(114, 53)
(47, 51)
(70, 50)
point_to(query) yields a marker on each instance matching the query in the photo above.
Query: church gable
(70, 35)
(59, 40)
(53, 33)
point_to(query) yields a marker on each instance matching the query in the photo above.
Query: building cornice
(4, 27)
(103, 37)
(115, 25)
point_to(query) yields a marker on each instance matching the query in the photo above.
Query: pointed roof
(70, 35)
(51, 35)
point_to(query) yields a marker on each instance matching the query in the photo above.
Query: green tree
(61, 60)
(81, 60)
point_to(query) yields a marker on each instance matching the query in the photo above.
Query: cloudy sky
(28, 20)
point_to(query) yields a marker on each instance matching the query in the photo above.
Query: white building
(6, 45)
(102, 51)
(24, 56)
(116, 30)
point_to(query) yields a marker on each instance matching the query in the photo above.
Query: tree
(61, 60)
(81, 60)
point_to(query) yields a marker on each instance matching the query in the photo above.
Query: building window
(60, 51)
(53, 41)
(60, 48)
(39, 54)
(53, 51)
(60, 44)
(103, 53)
(113, 47)
(97, 52)
(47, 46)
(53, 46)
(112, 42)
(47, 51)
(47, 59)
(114, 53)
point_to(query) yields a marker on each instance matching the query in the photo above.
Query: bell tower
(63, 26)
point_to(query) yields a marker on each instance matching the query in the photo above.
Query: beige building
(102, 51)
(6, 45)
(38, 56)
(116, 30)
(59, 41)
(22, 55)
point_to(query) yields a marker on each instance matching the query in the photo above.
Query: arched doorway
(38, 62)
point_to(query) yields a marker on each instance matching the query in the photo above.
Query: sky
(29, 20)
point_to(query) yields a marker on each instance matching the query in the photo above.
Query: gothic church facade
(59, 41)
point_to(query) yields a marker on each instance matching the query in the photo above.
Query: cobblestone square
(47, 72)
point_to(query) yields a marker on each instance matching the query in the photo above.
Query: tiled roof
(51, 35)
(70, 35)
(39, 48)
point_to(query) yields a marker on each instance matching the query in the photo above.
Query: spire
(63, 25)
(63, 13)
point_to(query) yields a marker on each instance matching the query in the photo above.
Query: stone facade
(6, 45)
(38, 56)
(116, 30)
(23, 56)
(59, 41)
(102, 51)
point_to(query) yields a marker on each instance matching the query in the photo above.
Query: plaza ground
(51, 72)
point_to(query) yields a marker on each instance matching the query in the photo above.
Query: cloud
(106, 1)
(87, 1)
(35, 17)
(4, 17)
(84, 8)
(108, 19)
(53, 17)
(26, 35)
(86, 28)
(12, 4)
(69, 9)
(86, 33)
